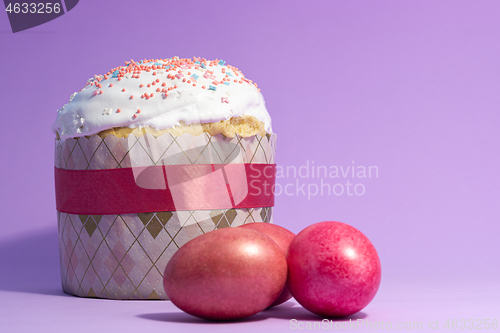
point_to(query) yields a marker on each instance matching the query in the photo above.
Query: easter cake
(133, 147)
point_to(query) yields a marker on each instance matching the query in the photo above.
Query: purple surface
(411, 87)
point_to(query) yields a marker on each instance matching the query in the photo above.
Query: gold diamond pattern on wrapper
(123, 256)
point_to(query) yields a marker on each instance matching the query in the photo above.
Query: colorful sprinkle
(191, 71)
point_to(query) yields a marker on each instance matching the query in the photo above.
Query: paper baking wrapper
(123, 256)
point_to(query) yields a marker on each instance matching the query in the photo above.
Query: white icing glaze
(90, 112)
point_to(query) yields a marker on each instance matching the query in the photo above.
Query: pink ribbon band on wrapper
(164, 188)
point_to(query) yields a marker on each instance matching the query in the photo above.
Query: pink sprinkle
(179, 75)
(95, 92)
(224, 100)
(209, 75)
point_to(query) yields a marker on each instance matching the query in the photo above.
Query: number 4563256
(34, 8)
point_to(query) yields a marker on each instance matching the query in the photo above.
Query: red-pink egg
(333, 269)
(283, 237)
(226, 274)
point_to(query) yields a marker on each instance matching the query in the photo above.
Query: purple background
(411, 87)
